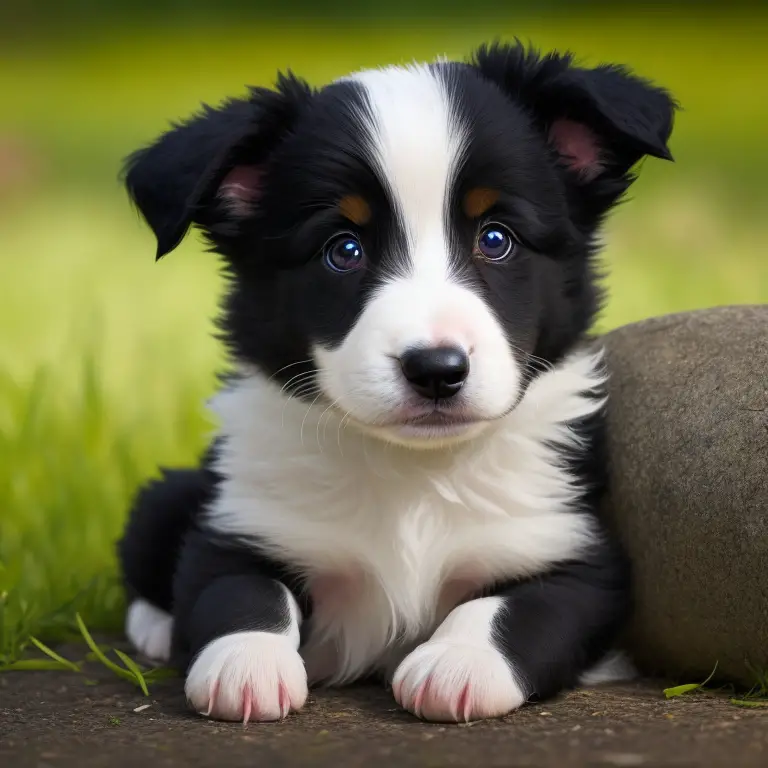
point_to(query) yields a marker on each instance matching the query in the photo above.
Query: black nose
(435, 372)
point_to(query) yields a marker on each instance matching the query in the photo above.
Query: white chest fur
(391, 539)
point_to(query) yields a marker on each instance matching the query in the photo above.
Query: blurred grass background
(105, 357)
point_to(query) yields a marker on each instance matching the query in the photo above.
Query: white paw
(244, 676)
(449, 681)
(612, 668)
(149, 629)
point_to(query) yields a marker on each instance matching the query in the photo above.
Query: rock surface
(688, 439)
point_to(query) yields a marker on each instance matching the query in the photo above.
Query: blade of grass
(55, 656)
(119, 671)
(34, 664)
(679, 690)
(92, 656)
(747, 703)
(761, 678)
(133, 667)
(160, 673)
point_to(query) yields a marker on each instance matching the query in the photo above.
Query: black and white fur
(343, 523)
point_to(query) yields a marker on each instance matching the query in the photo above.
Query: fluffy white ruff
(149, 629)
(247, 676)
(458, 675)
(393, 539)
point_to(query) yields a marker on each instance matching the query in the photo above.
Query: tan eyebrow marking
(477, 201)
(355, 208)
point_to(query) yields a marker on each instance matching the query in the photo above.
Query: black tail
(163, 512)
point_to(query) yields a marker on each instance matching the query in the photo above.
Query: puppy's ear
(210, 168)
(601, 121)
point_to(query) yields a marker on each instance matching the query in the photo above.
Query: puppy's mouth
(436, 418)
(434, 425)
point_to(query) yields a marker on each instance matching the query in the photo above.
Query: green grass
(681, 690)
(105, 357)
(755, 698)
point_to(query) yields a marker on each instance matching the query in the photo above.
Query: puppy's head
(410, 243)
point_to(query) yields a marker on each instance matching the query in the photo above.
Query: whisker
(298, 378)
(303, 388)
(325, 428)
(342, 424)
(528, 356)
(304, 420)
(290, 365)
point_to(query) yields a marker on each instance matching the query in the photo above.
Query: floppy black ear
(211, 166)
(601, 120)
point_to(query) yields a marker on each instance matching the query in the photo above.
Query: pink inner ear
(578, 145)
(241, 188)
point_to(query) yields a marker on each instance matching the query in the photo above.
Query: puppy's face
(408, 245)
(405, 214)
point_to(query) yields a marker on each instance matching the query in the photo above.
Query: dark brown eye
(344, 253)
(495, 243)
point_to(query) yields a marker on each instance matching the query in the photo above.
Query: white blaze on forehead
(417, 143)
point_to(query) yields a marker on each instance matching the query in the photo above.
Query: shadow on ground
(50, 719)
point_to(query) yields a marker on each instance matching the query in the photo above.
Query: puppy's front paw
(256, 676)
(447, 681)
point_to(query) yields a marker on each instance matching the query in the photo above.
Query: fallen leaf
(679, 690)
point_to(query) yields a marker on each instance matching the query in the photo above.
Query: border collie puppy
(407, 473)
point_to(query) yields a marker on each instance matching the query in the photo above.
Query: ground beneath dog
(50, 719)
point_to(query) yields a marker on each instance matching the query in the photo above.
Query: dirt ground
(50, 719)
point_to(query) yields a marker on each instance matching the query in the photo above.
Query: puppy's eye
(343, 253)
(495, 242)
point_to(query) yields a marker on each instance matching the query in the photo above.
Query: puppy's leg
(162, 513)
(240, 626)
(529, 640)
(149, 628)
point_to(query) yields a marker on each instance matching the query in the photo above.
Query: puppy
(406, 478)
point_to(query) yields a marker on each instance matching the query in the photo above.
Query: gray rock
(688, 439)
